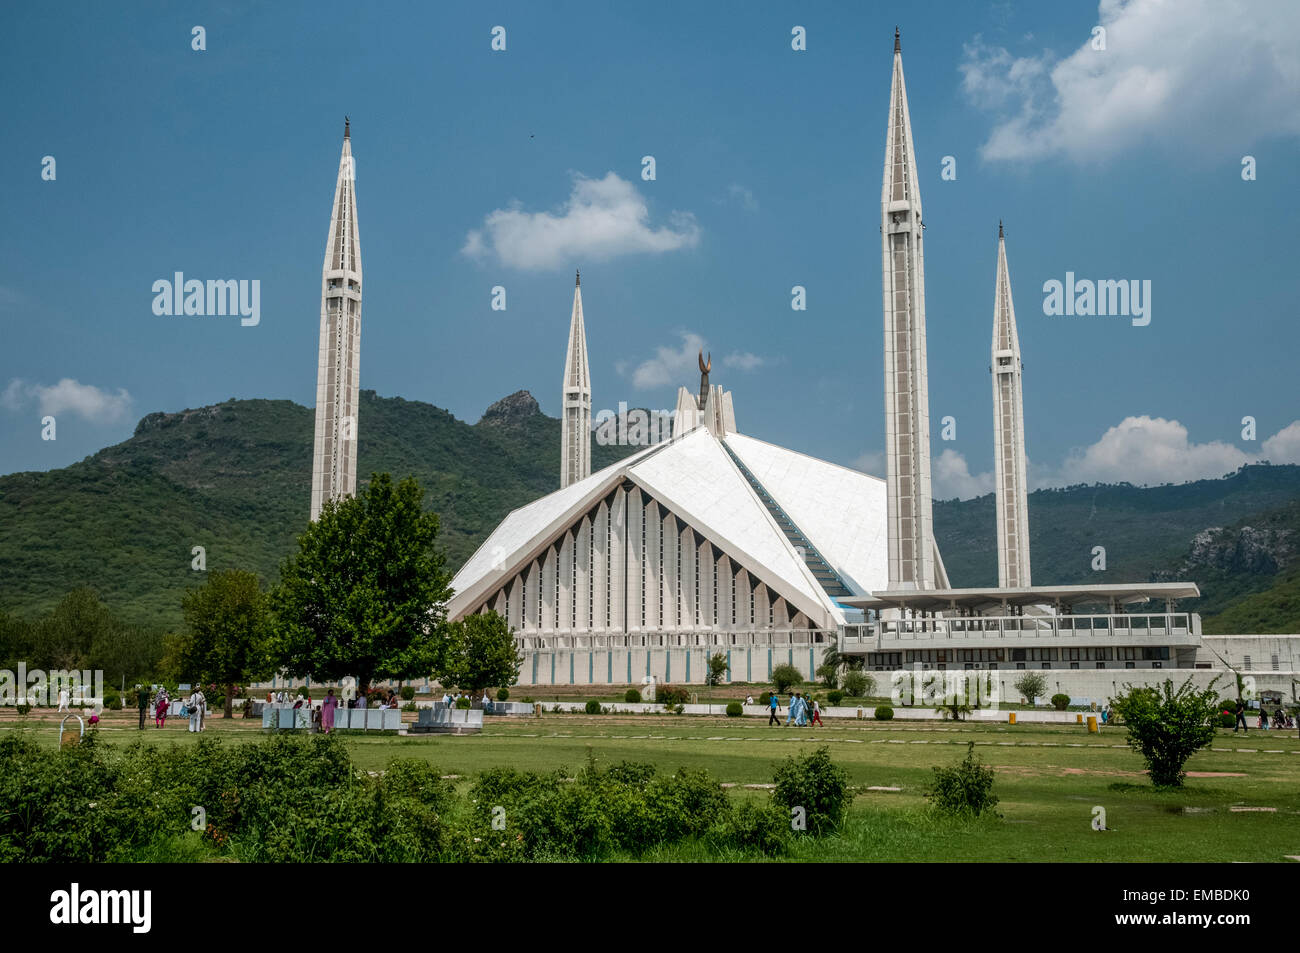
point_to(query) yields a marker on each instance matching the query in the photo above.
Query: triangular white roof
(840, 511)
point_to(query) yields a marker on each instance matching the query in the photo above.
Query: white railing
(673, 639)
(1181, 626)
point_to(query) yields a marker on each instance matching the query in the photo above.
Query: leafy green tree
(224, 642)
(829, 674)
(1167, 727)
(366, 593)
(65, 636)
(16, 638)
(718, 667)
(480, 652)
(785, 677)
(1032, 685)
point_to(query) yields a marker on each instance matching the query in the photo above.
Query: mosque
(715, 541)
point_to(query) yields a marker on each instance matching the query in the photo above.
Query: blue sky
(1122, 163)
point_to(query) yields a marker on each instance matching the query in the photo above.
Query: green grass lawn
(1049, 778)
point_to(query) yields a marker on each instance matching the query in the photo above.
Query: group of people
(803, 710)
(451, 700)
(160, 704)
(1279, 719)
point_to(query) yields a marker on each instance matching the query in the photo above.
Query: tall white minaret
(1009, 434)
(575, 424)
(907, 402)
(334, 464)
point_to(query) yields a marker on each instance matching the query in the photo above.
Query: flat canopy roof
(1065, 596)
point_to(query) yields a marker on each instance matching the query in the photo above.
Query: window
(1047, 665)
(1246, 663)
(1101, 664)
(1020, 665)
(1131, 665)
(1157, 664)
(1074, 665)
(1276, 667)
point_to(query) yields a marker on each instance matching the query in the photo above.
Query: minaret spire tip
(347, 128)
(577, 278)
(999, 228)
(898, 41)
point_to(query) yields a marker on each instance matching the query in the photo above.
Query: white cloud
(951, 477)
(738, 193)
(68, 397)
(1283, 446)
(670, 366)
(673, 366)
(1211, 75)
(870, 461)
(602, 219)
(743, 361)
(12, 398)
(1145, 451)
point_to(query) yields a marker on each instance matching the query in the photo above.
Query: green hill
(235, 478)
(1274, 610)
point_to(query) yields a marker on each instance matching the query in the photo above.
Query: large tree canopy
(225, 633)
(366, 593)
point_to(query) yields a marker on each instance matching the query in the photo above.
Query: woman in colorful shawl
(161, 704)
(327, 712)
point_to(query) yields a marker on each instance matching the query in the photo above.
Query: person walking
(1241, 718)
(64, 697)
(1263, 717)
(327, 712)
(160, 705)
(194, 706)
(773, 706)
(816, 713)
(142, 702)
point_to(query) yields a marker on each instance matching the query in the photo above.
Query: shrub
(735, 709)
(834, 696)
(765, 698)
(884, 713)
(23, 708)
(964, 788)
(463, 703)
(759, 828)
(593, 706)
(503, 694)
(407, 693)
(816, 784)
(1167, 727)
(671, 696)
(409, 706)
(1226, 720)
(857, 683)
(785, 677)
(112, 699)
(416, 778)
(632, 696)
(1060, 701)
(685, 804)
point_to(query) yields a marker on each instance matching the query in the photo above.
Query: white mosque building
(714, 541)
